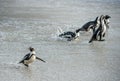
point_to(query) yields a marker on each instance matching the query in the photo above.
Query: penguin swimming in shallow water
(70, 35)
(30, 57)
(101, 30)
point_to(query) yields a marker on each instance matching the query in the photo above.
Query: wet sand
(35, 23)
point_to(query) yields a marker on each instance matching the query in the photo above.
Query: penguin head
(31, 49)
(107, 16)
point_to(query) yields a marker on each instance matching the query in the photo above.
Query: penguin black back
(89, 25)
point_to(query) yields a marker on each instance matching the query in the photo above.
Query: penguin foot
(26, 65)
(90, 41)
(102, 40)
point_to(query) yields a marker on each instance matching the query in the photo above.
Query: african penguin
(69, 35)
(30, 57)
(99, 33)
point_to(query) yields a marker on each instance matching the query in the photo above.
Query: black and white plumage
(90, 25)
(106, 20)
(99, 33)
(69, 35)
(30, 57)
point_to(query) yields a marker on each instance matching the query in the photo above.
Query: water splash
(55, 36)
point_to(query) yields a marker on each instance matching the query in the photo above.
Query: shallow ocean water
(36, 22)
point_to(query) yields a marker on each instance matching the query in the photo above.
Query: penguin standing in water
(99, 33)
(30, 57)
(90, 25)
(70, 35)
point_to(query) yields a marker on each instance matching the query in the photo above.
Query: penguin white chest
(32, 59)
(107, 21)
(104, 29)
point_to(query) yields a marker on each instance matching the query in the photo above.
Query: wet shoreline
(35, 23)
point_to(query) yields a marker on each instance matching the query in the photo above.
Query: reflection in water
(26, 72)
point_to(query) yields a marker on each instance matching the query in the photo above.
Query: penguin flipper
(21, 61)
(102, 40)
(40, 59)
(26, 57)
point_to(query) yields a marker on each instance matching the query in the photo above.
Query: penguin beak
(109, 16)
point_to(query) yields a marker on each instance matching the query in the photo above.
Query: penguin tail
(40, 59)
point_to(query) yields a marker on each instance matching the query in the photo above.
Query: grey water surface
(25, 23)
